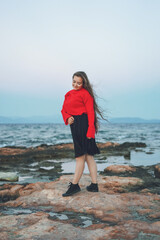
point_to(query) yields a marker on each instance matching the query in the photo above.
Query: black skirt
(82, 145)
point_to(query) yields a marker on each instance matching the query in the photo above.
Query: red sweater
(77, 102)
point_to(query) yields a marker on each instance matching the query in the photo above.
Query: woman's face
(77, 83)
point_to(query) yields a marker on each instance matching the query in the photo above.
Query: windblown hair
(89, 88)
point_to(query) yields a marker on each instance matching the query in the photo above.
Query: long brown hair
(89, 88)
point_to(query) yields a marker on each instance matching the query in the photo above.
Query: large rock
(39, 226)
(119, 169)
(119, 211)
(42, 192)
(8, 176)
(63, 151)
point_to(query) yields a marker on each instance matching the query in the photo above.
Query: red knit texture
(77, 102)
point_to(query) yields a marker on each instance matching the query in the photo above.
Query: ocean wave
(32, 135)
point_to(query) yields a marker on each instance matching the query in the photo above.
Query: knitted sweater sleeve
(89, 105)
(65, 115)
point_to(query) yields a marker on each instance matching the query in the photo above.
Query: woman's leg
(92, 166)
(80, 164)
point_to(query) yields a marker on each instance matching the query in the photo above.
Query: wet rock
(115, 184)
(39, 226)
(154, 215)
(131, 145)
(127, 155)
(157, 171)
(9, 192)
(51, 194)
(144, 173)
(63, 151)
(8, 176)
(134, 230)
(149, 152)
(120, 169)
(122, 212)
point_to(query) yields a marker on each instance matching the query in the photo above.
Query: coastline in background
(58, 119)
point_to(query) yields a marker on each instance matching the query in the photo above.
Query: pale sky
(116, 42)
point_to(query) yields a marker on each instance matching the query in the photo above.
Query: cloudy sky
(116, 42)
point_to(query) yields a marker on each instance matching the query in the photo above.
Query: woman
(80, 112)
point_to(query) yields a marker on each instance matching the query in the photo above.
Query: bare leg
(92, 166)
(80, 164)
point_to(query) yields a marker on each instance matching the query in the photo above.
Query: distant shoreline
(58, 120)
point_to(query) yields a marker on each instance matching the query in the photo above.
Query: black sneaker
(72, 189)
(93, 187)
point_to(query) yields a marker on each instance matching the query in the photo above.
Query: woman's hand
(70, 120)
(88, 137)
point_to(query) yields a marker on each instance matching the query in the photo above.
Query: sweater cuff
(91, 132)
(66, 120)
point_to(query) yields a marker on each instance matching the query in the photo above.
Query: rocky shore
(126, 207)
(64, 150)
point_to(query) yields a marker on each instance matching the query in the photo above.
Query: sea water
(32, 135)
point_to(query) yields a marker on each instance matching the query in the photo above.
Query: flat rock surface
(117, 211)
(63, 150)
(120, 169)
(39, 226)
